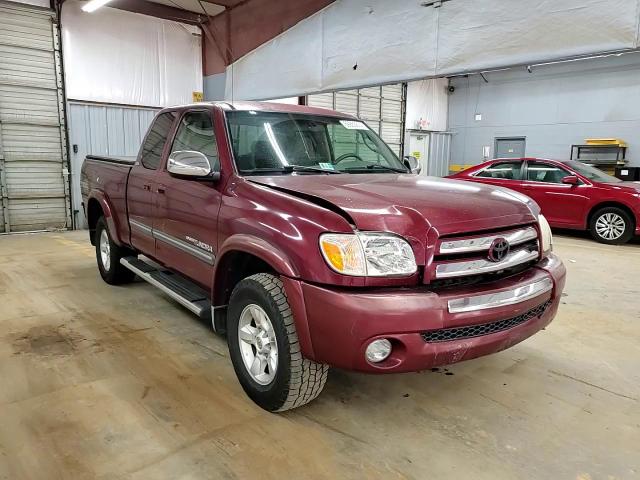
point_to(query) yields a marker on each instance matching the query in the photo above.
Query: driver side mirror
(189, 163)
(412, 164)
(571, 180)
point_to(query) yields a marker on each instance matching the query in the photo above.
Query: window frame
(170, 134)
(176, 129)
(522, 170)
(526, 173)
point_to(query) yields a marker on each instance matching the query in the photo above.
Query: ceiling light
(93, 5)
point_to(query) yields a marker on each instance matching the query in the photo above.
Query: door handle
(146, 187)
(161, 190)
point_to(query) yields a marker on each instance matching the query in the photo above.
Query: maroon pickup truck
(311, 244)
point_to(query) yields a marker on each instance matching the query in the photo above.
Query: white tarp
(113, 56)
(353, 43)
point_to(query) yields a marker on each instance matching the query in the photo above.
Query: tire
(295, 380)
(109, 265)
(611, 225)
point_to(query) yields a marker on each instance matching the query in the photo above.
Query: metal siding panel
(97, 129)
(439, 153)
(370, 108)
(31, 142)
(25, 27)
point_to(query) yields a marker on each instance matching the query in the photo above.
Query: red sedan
(569, 193)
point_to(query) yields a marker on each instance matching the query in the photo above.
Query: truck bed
(108, 176)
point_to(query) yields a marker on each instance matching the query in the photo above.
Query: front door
(187, 209)
(141, 184)
(562, 204)
(511, 147)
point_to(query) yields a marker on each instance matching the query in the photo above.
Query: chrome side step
(183, 291)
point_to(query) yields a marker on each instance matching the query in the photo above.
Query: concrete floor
(119, 382)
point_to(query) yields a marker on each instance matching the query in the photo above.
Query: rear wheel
(264, 347)
(611, 225)
(108, 256)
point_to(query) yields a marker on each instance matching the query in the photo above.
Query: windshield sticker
(326, 166)
(353, 125)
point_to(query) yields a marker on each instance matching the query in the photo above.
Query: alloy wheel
(105, 250)
(257, 340)
(610, 226)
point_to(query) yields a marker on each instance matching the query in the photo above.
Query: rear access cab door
(142, 183)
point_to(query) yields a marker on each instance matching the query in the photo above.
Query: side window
(504, 170)
(545, 172)
(153, 145)
(196, 133)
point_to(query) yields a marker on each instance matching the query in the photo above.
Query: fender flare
(260, 248)
(283, 265)
(107, 211)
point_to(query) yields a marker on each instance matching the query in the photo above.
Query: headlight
(368, 254)
(547, 238)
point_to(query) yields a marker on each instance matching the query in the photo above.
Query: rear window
(153, 145)
(503, 170)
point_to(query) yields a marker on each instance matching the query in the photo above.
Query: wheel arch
(610, 204)
(244, 255)
(98, 205)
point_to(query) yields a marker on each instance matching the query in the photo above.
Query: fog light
(378, 350)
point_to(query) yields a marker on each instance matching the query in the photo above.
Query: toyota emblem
(499, 249)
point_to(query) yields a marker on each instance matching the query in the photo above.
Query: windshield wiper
(305, 168)
(374, 166)
(288, 169)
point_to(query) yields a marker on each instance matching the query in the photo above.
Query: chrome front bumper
(500, 299)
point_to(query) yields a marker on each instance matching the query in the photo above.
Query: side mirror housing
(571, 180)
(189, 163)
(412, 164)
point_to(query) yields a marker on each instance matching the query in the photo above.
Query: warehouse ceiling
(211, 8)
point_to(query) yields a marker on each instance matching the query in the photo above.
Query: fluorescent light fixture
(93, 5)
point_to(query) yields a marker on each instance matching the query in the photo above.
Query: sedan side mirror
(189, 163)
(571, 180)
(412, 164)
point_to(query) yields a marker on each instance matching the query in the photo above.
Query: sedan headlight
(368, 254)
(547, 237)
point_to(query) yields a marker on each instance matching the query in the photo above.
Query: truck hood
(406, 204)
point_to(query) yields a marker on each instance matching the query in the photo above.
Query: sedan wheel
(611, 225)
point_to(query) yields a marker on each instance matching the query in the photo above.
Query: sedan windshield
(267, 142)
(592, 173)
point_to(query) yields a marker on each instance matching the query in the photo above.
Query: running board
(183, 291)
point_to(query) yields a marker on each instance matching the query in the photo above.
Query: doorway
(509, 147)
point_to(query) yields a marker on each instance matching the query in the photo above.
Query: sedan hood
(407, 204)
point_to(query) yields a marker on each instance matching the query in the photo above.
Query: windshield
(592, 173)
(267, 142)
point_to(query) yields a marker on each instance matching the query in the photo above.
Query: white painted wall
(113, 56)
(354, 43)
(427, 100)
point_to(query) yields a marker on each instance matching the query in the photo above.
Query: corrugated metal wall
(381, 107)
(96, 129)
(439, 154)
(33, 157)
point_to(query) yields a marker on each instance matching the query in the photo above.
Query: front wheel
(108, 256)
(264, 346)
(611, 225)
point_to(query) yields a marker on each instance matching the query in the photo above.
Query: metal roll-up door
(381, 107)
(33, 157)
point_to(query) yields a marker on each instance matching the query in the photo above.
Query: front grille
(466, 260)
(457, 333)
